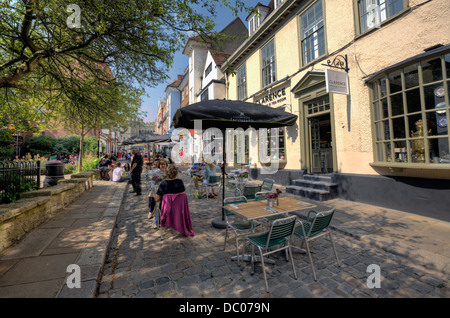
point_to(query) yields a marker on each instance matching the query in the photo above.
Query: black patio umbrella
(223, 114)
(145, 139)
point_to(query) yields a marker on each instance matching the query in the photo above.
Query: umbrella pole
(219, 222)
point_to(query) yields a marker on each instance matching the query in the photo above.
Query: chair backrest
(213, 179)
(250, 191)
(321, 221)
(281, 229)
(267, 184)
(231, 200)
(260, 196)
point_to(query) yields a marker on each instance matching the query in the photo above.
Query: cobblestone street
(140, 264)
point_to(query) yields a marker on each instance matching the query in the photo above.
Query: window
(271, 146)
(205, 95)
(373, 12)
(242, 83)
(410, 114)
(251, 28)
(268, 64)
(318, 105)
(312, 33)
(208, 69)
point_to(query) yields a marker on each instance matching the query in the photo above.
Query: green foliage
(14, 189)
(50, 71)
(42, 145)
(6, 152)
(69, 168)
(89, 163)
(70, 144)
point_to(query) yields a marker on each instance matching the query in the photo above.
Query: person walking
(136, 170)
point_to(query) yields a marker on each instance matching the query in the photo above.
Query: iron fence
(17, 177)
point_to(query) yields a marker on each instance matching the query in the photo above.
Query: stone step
(310, 193)
(318, 177)
(321, 185)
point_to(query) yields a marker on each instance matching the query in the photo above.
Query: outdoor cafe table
(255, 210)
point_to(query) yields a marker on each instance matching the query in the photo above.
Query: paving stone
(199, 267)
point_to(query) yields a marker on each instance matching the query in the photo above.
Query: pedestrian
(181, 156)
(136, 169)
(159, 175)
(119, 174)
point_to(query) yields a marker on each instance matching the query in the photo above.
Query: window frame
(208, 69)
(303, 40)
(242, 84)
(406, 153)
(264, 67)
(359, 21)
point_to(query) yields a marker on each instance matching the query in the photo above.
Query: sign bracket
(339, 62)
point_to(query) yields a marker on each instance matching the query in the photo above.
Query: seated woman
(210, 171)
(169, 186)
(196, 172)
(119, 174)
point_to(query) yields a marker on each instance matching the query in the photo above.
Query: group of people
(201, 172)
(65, 158)
(168, 181)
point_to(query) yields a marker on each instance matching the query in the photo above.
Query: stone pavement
(80, 234)
(107, 233)
(412, 253)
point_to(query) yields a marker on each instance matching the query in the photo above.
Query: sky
(150, 103)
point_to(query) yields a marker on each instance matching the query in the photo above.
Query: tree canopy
(60, 58)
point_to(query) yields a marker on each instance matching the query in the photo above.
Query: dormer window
(255, 20)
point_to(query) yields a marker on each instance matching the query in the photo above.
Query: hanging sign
(336, 81)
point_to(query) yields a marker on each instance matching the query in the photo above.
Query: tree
(45, 58)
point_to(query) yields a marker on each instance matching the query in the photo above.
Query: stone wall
(36, 207)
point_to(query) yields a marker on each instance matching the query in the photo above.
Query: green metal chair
(314, 228)
(237, 227)
(250, 191)
(230, 187)
(280, 233)
(267, 184)
(213, 181)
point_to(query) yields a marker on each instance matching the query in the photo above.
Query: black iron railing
(17, 177)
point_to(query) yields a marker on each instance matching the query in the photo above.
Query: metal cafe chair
(250, 191)
(237, 227)
(315, 227)
(213, 181)
(267, 184)
(279, 235)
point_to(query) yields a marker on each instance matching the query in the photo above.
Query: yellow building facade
(390, 131)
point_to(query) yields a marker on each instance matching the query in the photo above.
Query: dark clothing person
(170, 187)
(136, 173)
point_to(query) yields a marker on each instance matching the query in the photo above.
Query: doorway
(320, 144)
